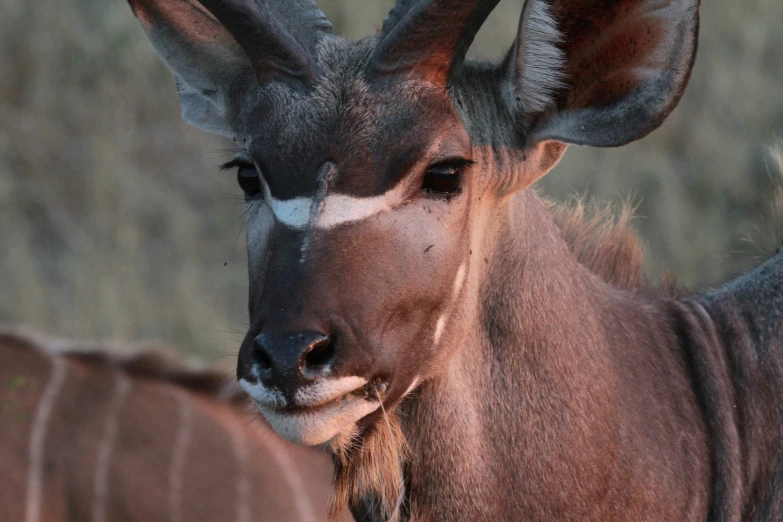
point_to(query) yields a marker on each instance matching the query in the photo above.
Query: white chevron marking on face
(458, 282)
(414, 383)
(439, 326)
(335, 210)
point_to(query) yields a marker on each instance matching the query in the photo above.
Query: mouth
(322, 411)
(372, 391)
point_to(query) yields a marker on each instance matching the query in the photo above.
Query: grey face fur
(375, 170)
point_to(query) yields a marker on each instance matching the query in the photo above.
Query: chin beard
(369, 466)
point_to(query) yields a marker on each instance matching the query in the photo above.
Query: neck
(557, 399)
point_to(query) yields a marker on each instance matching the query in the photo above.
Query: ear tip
(632, 102)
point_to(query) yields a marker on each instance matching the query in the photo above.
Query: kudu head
(375, 171)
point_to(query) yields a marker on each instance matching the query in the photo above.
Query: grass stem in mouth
(376, 388)
(379, 388)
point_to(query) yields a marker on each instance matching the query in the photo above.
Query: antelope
(92, 435)
(415, 306)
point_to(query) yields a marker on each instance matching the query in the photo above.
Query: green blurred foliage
(114, 221)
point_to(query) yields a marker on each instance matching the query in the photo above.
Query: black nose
(306, 353)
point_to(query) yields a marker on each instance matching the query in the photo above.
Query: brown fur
(149, 360)
(602, 239)
(556, 387)
(599, 239)
(372, 468)
(147, 431)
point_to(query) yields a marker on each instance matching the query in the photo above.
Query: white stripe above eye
(336, 209)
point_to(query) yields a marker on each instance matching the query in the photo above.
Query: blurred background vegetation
(115, 222)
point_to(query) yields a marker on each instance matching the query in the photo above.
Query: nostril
(283, 355)
(319, 354)
(263, 360)
(260, 357)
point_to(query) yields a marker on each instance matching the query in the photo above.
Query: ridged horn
(429, 38)
(278, 37)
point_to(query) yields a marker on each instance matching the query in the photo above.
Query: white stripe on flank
(304, 506)
(239, 447)
(336, 209)
(101, 486)
(38, 438)
(178, 456)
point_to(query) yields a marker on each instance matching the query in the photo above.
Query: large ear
(200, 52)
(210, 44)
(599, 72)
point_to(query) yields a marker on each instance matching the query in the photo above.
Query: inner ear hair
(599, 72)
(535, 65)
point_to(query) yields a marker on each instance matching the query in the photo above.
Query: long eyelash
(234, 163)
(457, 163)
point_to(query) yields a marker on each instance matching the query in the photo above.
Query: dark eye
(248, 179)
(444, 177)
(247, 175)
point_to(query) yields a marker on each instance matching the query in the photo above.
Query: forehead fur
(371, 131)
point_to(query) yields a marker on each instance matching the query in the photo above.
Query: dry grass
(114, 221)
(774, 235)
